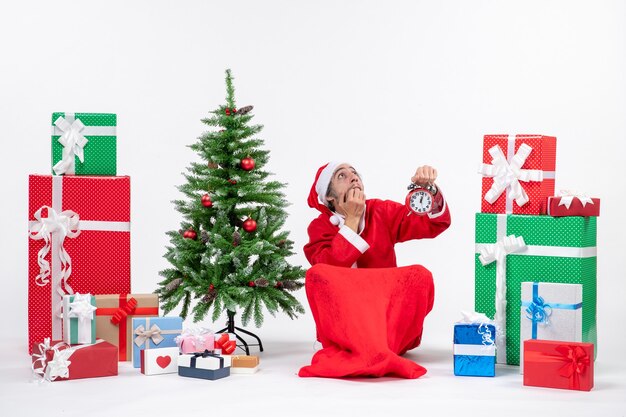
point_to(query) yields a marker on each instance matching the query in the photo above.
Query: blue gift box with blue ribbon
(550, 311)
(474, 349)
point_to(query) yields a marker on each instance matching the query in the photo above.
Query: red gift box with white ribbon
(558, 364)
(79, 242)
(569, 203)
(518, 173)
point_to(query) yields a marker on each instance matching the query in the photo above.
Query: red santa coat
(366, 318)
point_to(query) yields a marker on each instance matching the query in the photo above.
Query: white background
(387, 86)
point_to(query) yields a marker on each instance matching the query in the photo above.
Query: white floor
(277, 391)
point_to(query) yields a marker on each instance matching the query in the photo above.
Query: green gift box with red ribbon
(114, 318)
(511, 249)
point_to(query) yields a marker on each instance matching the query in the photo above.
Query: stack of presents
(535, 273)
(82, 316)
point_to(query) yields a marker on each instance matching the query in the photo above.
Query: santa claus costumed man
(367, 310)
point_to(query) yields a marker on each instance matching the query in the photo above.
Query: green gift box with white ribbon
(511, 249)
(79, 319)
(84, 144)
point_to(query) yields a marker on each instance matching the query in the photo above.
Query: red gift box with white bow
(558, 364)
(79, 242)
(58, 361)
(518, 173)
(572, 204)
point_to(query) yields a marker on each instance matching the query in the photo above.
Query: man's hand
(424, 175)
(352, 206)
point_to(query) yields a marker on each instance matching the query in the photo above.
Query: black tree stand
(230, 328)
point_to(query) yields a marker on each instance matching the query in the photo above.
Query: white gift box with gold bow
(154, 332)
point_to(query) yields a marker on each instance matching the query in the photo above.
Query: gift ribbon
(574, 358)
(81, 309)
(497, 253)
(507, 174)
(538, 311)
(226, 343)
(205, 354)
(568, 196)
(144, 336)
(53, 231)
(124, 311)
(527, 250)
(73, 143)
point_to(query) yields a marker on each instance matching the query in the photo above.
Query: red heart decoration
(163, 361)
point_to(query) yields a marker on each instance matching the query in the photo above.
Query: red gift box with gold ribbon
(114, 316)
(558, 364)
(79, 242)
(518, 173)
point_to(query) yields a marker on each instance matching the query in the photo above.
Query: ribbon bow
(73, 143)
(568, 196)
(123, 312)
(498, 252)
(58, 367)
(81, 307)
(154, 334)
(509, 174)
(538, 311)
(576, 361)
(225, 343)
(65, 224)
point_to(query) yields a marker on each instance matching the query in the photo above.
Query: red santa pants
(366, 318)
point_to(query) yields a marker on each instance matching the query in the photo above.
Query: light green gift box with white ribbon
(84, 144)
(79, 319)
(511, 249)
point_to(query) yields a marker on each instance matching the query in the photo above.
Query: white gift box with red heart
(159, 361)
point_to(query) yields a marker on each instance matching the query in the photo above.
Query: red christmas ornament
(279, 284)
(247, 164)
(233, 182)
(211, 287)
(227, 111)
(249, 225)
(251, 284)
(190, 234)
(206, 201)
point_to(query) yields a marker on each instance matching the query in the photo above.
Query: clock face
(420, 202)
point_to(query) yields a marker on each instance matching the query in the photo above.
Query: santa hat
(317, 196)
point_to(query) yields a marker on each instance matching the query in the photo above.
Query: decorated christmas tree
(230, 253)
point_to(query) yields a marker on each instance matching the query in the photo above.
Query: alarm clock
(420, 199)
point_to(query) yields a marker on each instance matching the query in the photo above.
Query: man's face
(344, 179)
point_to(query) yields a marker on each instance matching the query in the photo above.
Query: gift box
(79, 241)
(195, 340)
(114, 318)
(154, 332)
(159, 361)
(573, 205)
(474, 349)
(518, 173)
(84, 144)
(512, 249)
(58, 361)
(225, 343)
(79, 321)
(204, 365)
(558, 364)
(551, 312)
(244, 364)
